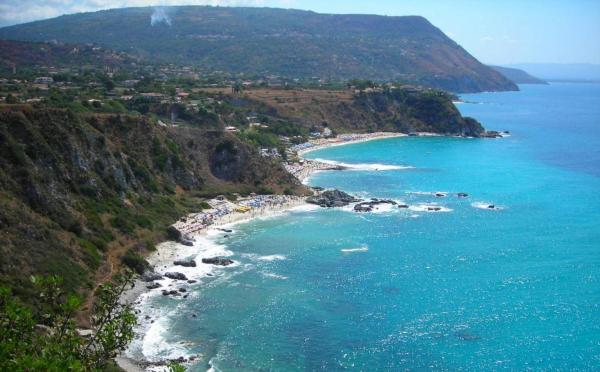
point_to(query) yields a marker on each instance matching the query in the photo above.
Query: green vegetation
(135, 261)
(288, 43)
(45, 338)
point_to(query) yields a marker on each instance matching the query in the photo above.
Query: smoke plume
(160, 15)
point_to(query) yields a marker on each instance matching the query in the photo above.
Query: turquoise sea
(465, 288)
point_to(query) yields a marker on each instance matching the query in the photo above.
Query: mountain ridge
(272, 41)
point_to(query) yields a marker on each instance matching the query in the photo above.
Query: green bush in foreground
(46, 338)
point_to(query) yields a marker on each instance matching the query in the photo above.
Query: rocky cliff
(78, 194)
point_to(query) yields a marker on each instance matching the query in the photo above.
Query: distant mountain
(290, 43)
(563, 71)
(518, 76)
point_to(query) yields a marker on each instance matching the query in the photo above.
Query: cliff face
(396, 110)
(291, 43)
(77, 193)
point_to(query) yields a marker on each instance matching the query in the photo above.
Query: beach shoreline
(197, 227)
(162, 261)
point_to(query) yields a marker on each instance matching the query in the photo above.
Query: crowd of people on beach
(224, 211)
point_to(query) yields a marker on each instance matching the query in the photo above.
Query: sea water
(467, 287)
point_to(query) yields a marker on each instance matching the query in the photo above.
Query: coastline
(197, 228)
(162, 260)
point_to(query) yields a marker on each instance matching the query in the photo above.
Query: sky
(494, 31)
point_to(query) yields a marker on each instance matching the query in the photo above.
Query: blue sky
(502, 32)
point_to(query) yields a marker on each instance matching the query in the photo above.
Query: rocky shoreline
(224, 213)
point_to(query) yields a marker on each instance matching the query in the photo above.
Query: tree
(46, 338)
(11, 99)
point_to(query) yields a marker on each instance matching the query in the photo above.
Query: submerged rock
(176, 276)
(462, 195)
(219, 261)
(185, 263)
(332, 198)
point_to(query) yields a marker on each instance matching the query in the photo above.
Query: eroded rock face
(219, 261)
(332, 198)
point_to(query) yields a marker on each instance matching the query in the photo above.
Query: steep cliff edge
(78, 193)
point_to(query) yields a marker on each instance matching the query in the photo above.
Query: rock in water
(332, 198)
(150, 276)
(219, 261)
(153, 286)
(185, 263)
(176, 275)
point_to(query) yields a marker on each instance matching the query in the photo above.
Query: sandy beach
(342, 139)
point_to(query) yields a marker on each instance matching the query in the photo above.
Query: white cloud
(20, 11)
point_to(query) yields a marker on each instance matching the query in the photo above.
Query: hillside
(14, 53)
(518, 76)
(289, 43)
(393, 110)
(80, 192)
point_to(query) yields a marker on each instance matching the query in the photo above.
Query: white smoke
(159, 15)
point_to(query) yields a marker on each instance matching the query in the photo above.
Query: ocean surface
(464, 288)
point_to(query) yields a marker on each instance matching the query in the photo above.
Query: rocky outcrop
(332, 198)
(176, 276)
(218, 261)
(150, 276)
(177, 236)
(370, 205)
(185, 263)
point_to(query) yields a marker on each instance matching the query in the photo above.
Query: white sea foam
(273, 275)
(486, 206)
(363, 248)
(366, 166)
(154, 345)
(273, 257)
(429, 207)
(430, 193)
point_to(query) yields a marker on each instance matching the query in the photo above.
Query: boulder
(174, 234)
(332, 198)
(176, 275)
(185, 263)
(177, 236)
(153, 286)
(150, 276)
(402, 206)
(219, 261)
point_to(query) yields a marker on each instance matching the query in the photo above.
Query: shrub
(135, 262)
(46, 339)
